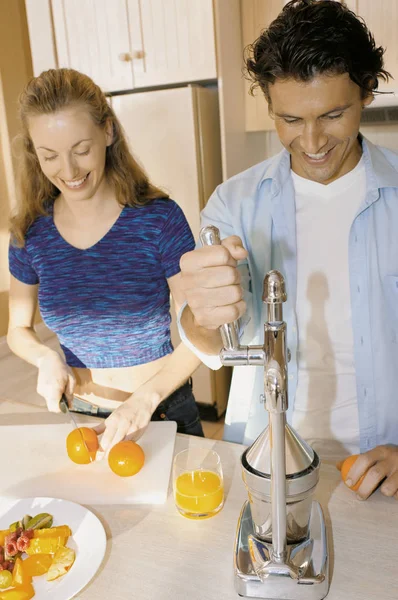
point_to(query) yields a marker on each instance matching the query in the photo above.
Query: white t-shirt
(325, 408)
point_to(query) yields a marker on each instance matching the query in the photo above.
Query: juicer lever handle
(210, 236)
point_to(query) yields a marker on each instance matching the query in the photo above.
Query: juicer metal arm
(210, 236)
(275, 391)
(275, 374)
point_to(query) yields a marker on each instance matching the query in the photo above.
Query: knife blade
(64, 406)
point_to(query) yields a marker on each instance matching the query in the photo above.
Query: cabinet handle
(128, 57)
(125, 57)
(138, 54)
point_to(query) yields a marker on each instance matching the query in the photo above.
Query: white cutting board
(35, 463)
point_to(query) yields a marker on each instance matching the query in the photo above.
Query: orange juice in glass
(198, 483)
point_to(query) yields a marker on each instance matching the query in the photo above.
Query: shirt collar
(278, 171)
(379, 171)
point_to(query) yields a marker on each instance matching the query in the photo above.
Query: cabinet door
(256, 16)
(41, 35)
(92, 36)
(381, 20)
(172, 41)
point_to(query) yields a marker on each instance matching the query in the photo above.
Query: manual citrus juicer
(281, 545)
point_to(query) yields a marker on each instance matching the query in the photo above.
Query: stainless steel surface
(275, 368)
(274, 289)
(299, 454)
(276, 402)
(302, 474)
(210, 236)
(244, 355)
(304, 576)
(274, 294)
(64, 406)
(274, 548)
(296, 512)
(278, 486)
(84, 406)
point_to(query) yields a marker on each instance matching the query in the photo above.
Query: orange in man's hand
(346, 466)
(126, 458)
(78, 452)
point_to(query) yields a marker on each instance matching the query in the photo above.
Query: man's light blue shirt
(258, 205)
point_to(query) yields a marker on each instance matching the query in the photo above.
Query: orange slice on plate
(62, 562)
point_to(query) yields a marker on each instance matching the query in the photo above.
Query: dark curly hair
(310, 37)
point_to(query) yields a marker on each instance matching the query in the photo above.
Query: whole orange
(346, 466)
(126, 458)
(78, 451)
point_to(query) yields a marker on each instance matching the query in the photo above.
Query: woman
(98, 246)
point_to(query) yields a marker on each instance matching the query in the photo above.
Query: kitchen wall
(382, 135)
(15, 71)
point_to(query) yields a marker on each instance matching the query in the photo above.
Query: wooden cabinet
(92, 36)
(381, 18)
(125, 44)
(172, 41)
(256, 15)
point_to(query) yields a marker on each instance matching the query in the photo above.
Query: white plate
(88, 541)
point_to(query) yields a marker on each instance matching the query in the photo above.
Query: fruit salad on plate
(30, 548)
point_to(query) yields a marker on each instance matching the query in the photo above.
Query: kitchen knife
(64, 406)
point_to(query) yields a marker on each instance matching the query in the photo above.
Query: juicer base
(305, 575)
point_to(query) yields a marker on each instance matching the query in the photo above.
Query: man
(324, 212)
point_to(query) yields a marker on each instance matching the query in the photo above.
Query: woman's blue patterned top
(109, 304)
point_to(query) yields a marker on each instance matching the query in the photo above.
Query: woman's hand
(54, 379)
(129, 420)
(378, 464)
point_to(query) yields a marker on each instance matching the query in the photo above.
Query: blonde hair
(48, 93)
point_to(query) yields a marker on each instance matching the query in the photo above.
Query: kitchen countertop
(153, 553)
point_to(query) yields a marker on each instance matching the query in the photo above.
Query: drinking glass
(198, 484)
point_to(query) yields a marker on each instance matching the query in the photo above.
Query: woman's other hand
(54, 379)
(129, 420)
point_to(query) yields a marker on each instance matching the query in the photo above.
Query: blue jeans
(180, 406)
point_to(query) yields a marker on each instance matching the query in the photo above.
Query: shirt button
(290, 376)
(162, 416)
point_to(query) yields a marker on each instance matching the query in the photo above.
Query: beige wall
(15, 71)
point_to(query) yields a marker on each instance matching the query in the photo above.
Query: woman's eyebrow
(74, 145)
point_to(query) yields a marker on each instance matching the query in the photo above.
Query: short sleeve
(20, 265)
(175, 240)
